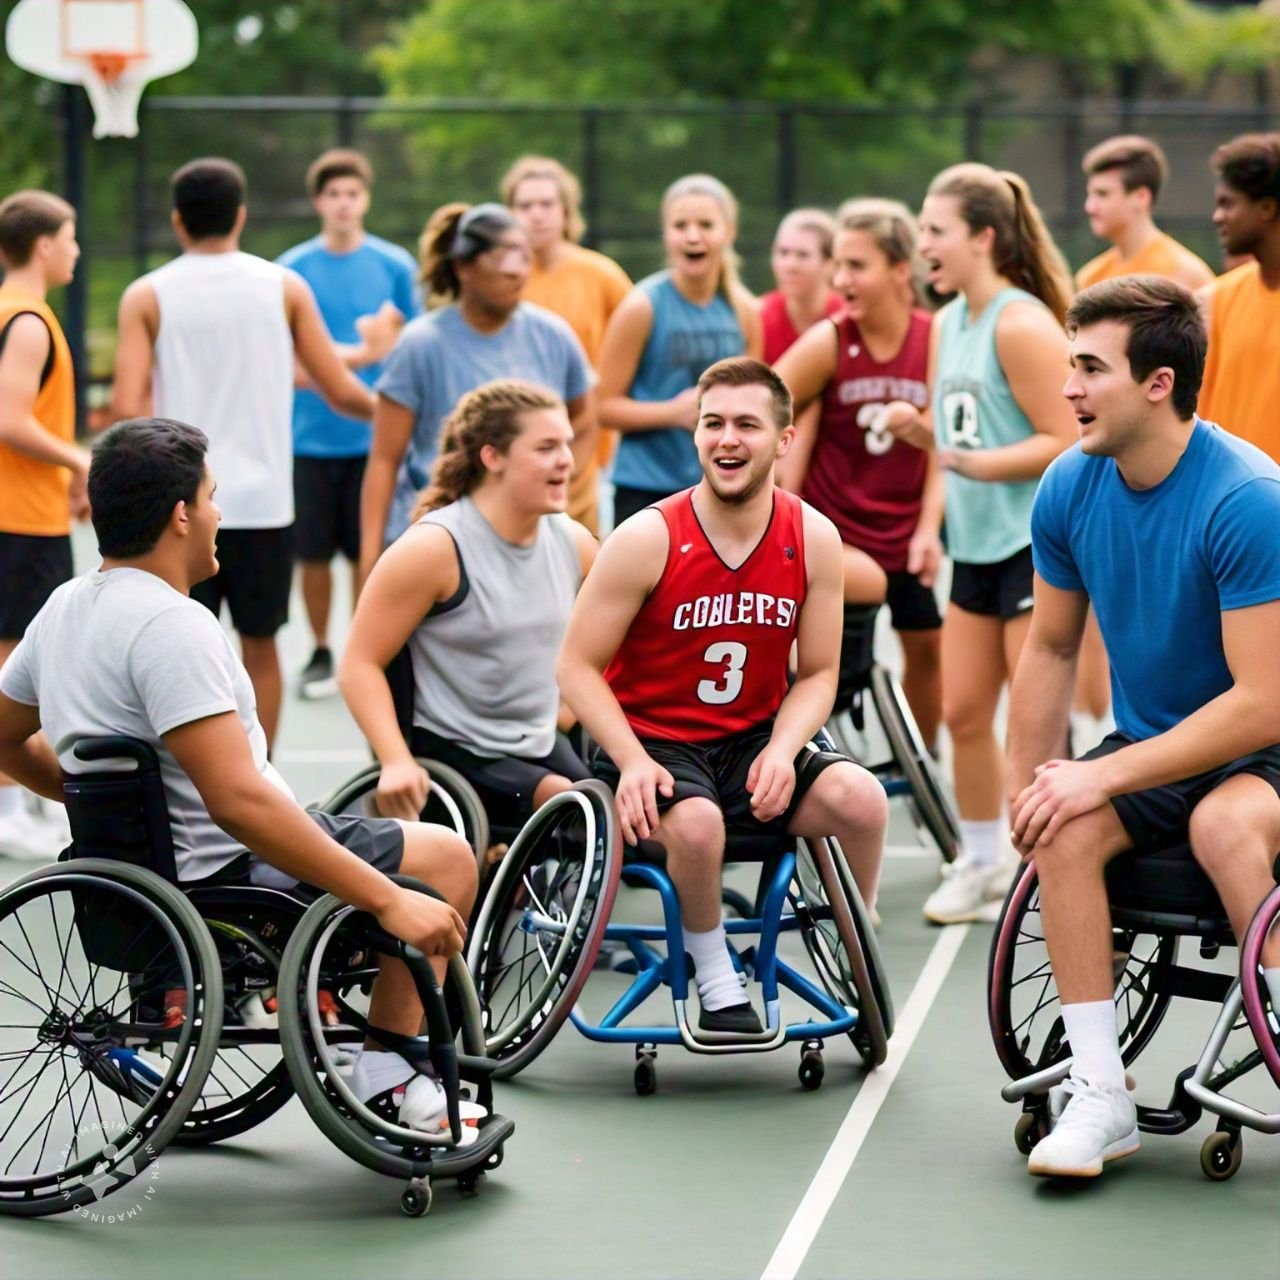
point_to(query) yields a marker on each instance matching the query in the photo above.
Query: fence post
(75, 133)
(1072, 174)
(786, 161)
(141, 209)
(591, 175)
(973, 122)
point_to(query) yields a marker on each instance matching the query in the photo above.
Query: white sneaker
(23, 835)
(1060, 1095)
(1099, 1123)
(419, 1104)
(969, 891)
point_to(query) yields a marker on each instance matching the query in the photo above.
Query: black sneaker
(737, 1019)
(318, 680)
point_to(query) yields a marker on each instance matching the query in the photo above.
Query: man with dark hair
(676, 663)
(1170, 527)
(1242, 308)
(42, 469)
(1125, 175)
(123, 651)
(212, 336)
(365, 289)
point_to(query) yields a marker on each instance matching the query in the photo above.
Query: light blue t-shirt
(346, 285)
(440, 357)
(973, 408)
(1161, 564)
(685, 339)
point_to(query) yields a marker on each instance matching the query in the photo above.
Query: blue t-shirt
(440, 357)
(1160, 565)
(346, 285)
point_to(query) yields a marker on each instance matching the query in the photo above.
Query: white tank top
(224, 363)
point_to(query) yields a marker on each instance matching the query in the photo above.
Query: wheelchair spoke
(62, 952)
(54, 999)
(30, 1086)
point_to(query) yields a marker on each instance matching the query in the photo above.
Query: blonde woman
(801, 262)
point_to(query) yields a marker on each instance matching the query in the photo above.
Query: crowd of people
(570, 501)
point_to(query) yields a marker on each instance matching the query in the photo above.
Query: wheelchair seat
(1165, 887)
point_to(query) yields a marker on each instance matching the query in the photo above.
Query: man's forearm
(1039, 712)
(803, 712)
(597, 709)
(34, 764)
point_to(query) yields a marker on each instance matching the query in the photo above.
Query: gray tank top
(484, 661)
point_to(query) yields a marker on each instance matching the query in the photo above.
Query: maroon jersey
(776, 325)
(868, 483)
(707, 654)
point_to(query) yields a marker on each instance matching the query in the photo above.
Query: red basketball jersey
(868, 483)
(707, 654)
(776, 327)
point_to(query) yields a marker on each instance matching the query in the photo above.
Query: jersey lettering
(734, 655)
(740, 607)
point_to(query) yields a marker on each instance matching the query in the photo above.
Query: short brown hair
(337, 162)
(1251, 164)
(1166, 329)
(25, 216)
(1140, 161)
(568, 187)
(742, 371)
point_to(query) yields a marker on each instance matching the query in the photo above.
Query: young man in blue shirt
(366, 290)
(1170, 527)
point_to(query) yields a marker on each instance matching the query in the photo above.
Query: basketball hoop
(115, 48)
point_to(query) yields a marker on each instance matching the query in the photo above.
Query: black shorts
(31, 568)
(1160, 816)
(377, 841)
(627, 501)
(254, 578)
(505, 784)
(326, 497)
(1002, 590)
(912, 605)
(717, 770)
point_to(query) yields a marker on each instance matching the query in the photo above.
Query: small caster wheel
(811, 1070)
(469, 1183)
(1221, 1155)
(1030, 1128)
(416, 1200)
(495, 1158)
(646, 1074)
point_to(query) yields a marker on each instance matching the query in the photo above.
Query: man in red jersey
(676, 662)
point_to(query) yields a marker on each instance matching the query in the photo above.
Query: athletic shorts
(326, 498)
(912, 605)
(377, 841)
(254, 578)
(31, 568)
(505, 784)
(1161, 816)
(1002, 590)
(717, 771)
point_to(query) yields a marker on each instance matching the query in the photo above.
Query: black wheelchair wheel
(110, 1007)
(1023, 1010)
(833, 927)
(331, 949)
(930, 805)
(536, 936)
(452, 803)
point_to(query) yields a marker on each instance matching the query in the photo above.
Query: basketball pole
(75, 135)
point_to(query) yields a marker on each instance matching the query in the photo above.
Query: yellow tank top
(33, 495)
(1241, 387)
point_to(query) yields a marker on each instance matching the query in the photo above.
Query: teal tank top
(973, 408)
(685, 339)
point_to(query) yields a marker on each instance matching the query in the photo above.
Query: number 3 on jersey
(734, 656)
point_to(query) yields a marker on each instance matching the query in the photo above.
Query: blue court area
(730, 1169)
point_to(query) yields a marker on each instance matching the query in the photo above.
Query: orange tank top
(33, 495)
(1241, 387)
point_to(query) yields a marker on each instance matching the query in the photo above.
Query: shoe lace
(1086, 1103)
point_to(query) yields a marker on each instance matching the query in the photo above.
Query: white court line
(303, 755)
(818, 1199)
(910, 851)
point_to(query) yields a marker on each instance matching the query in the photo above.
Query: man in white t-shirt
(211, 337)
(124, 651)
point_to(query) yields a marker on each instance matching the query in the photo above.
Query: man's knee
(693, 828)
(1235, 827)
(1084, 845)
(551, 784)
(847, 796)
(441, 858)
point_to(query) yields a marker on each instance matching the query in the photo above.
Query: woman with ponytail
(998, 360)
(479, 588)
(666, 332)
(475, 262)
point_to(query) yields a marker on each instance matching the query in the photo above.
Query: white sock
(981, 841)
(10, 800)
(1095, 1042)
(1272, 978)
(378, 1071)
(718, 984)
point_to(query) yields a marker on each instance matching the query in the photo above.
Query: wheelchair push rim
(1259, 1005)
(122, 1081)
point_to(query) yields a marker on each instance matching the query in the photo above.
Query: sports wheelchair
(909, 770)
(133, 1013)
(544, 915)
(1159, 900)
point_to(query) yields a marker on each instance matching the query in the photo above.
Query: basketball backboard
(112, 47)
